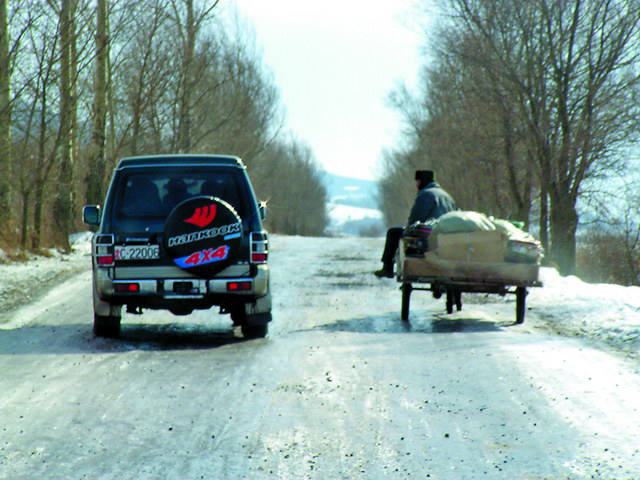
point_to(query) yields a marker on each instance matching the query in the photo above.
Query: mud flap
(258, 318)
(103, 308)
(259, 312)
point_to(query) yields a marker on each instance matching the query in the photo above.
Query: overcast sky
(335, 62)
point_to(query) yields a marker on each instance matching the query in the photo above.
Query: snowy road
(341, 388)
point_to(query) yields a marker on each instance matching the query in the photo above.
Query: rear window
(144, 198)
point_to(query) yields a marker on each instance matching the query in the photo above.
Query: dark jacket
(431, 202)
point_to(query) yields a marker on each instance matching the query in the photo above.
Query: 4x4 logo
(203, 257)
(203, 216)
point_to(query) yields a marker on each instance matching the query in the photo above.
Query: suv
(179, 233)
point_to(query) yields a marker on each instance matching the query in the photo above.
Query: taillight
(104, 250)
(238, 286)
(259, 247)
(104, 260)
(126, 287)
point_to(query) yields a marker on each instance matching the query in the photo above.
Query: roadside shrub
(606, 257)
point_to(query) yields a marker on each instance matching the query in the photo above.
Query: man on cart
(431, 202)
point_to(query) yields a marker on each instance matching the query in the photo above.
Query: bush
(606, 257)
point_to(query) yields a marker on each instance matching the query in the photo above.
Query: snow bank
(599, 311)
(81, 242)
(22, 281)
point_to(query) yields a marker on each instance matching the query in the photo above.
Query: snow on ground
(601, 312)
(22, 281)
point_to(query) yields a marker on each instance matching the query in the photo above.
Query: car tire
(106, 326)
(254, 331)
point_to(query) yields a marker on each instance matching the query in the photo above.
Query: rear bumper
(161, 292)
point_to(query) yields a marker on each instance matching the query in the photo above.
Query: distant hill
(352, 192)
(353, 208)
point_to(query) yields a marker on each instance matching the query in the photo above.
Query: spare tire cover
(203, 235)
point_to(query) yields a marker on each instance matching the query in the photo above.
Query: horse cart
(449, 265)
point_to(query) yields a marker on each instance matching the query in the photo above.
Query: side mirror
(262, 208)
(91, 214)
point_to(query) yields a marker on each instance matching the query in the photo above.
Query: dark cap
(425, 176)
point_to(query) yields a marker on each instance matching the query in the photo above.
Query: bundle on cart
(470, 245)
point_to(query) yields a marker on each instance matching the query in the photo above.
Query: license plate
(135, 252)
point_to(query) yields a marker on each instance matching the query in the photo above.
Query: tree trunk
(96, 174)
(36, 238)
(520, 189)
(564, 224)
(544, 218)
(41, 173)
(24, 222)
(63, 206)
(184, 127)
(5, 120)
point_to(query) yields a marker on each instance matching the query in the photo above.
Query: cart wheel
(450, 301)
(406, 298)
(521, 303)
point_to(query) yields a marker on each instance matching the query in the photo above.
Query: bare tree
(234, 102)
(95, 178)
(188, 19)
(65, 198)
(396, 191)
(238, 107)
(466, 130)
(575, 68)
(14, 23)
(5, 114)
(141, 76)
(94, 81)
(549, 88)
(38, 134)
(288, 177)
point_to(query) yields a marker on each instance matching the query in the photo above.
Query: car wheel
(106, 326)
(254, 331)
